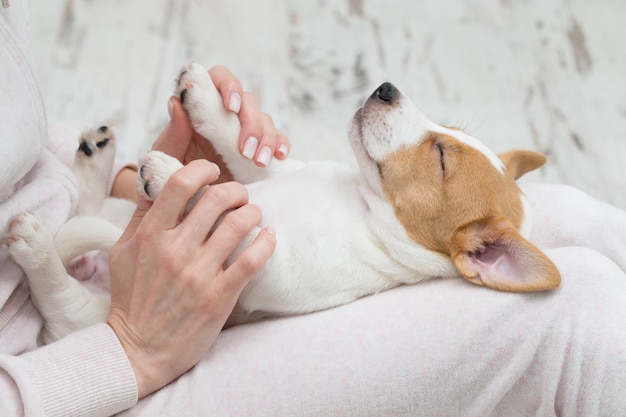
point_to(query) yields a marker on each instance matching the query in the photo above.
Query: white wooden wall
(543, 74)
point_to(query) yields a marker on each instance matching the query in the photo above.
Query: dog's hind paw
(154, 171)
(96, 141)
(30, 243)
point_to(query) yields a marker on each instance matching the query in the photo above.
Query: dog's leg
(210, 119)
(93, 162)
(64, 303)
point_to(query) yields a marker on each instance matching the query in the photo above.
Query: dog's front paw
(29, 242)
(205, 106)
(154, 171)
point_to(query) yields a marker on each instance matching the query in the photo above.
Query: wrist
(146, 383)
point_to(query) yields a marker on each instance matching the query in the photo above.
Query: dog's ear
(519, 162)
(491, 252)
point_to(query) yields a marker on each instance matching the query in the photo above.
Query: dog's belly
(325, 255)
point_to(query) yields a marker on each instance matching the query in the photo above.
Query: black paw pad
(103, 143)
(146, 188)
(84, 148)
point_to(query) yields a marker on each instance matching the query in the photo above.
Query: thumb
(174, 140)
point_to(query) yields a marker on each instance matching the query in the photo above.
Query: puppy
(427, 202)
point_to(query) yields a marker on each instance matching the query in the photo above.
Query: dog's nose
(387, 92)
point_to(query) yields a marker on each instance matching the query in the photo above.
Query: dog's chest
(319, 197)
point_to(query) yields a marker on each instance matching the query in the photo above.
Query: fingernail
(283, 150)
(249, 148)
(234, 104)
(265, 155)
(170, 108)
(217, 168)
(271, 230)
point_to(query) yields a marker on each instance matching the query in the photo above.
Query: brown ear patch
(433, 196)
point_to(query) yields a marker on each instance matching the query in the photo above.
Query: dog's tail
(82, 234)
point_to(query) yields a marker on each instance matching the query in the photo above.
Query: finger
(175, 138)
(252, 131)
(169, 206)
(237, 275)
(267, 144)
(282, 145)
(235, 226)
(229, 87)
(213, 203)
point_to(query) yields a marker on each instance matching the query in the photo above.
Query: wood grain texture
(514, 73)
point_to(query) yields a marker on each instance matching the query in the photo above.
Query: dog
(427, 201)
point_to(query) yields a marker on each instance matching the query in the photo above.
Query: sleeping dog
(427, 202)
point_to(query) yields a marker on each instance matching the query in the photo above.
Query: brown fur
(462, 204)
(470, 189)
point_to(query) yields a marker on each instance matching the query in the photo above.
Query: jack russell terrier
(429, 201)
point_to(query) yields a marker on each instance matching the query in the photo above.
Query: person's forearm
(125, 184)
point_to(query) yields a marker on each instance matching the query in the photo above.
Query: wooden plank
(535, 74)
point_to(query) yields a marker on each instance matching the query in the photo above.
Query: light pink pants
(441, 348)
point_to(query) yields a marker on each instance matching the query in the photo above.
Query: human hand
(259, 140)
(170, 295)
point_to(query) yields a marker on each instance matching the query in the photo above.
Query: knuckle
(239, 222)
(227, 194)
(190, 279)
(241, 191)
(144, 235)
(180, 181)
(217, 194)
(250, 262)
(268, 122)
(250, 99)
(168, 256)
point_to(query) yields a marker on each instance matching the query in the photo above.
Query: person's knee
(587, 268)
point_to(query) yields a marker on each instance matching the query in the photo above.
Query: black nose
(387, 92)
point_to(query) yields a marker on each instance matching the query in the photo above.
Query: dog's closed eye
(441, 156)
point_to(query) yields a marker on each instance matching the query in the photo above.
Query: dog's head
(451, 193)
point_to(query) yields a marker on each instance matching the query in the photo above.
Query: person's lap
(445, 347)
